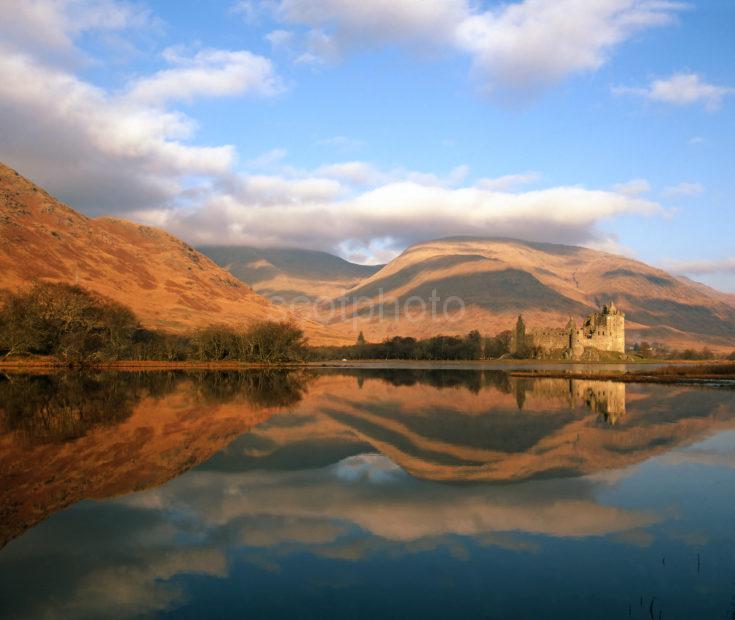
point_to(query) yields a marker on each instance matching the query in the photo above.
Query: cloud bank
(131, 149)
(517, 46)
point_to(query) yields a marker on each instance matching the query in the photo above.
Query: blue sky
(361, 127)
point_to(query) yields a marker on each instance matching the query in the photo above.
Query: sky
(361, 127)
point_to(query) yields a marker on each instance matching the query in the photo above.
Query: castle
(601, 331)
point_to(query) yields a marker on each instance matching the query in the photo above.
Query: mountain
(497, 279)
(289, 273)
(167, 283)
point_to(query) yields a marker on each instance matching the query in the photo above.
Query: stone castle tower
(600, 331)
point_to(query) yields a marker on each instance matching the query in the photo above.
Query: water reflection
(325, 493)
(70, 436)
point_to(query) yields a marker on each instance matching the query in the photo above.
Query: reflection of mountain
(72, 436)
(436, 425)
(483, 425)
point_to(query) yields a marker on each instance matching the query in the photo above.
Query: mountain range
(482, 283)
(496, 279)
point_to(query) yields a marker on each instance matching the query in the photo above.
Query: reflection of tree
(472, 380)
(64, 406)
(61, 407)
(261, 388)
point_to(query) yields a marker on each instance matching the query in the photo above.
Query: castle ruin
(601, 331)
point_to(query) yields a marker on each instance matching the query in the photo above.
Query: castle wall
(548, 339)
(605, 332)
(601, 331)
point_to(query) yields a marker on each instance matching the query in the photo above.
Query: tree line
(472, 346)
(76, 326)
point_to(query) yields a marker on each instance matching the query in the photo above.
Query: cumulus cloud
(208, 73)
(509, 181)
(102, 150)
(322, 212)
(534, 43)
(130, 152)
(681, 89)
(516, 46)
(50, 26)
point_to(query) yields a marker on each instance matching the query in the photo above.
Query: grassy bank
(703, 373)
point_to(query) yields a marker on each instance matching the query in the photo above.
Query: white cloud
(355, 173)
(636, 187)
(508, 181)
(681, 89)
(82, 142)
(209, 73)
(267, 159)
(703, 267)
(318, 213)
(530, 44)
(517, 46)
(100, 150)
(684, 189)
(130, 153)
(378, 22)
(50, 26)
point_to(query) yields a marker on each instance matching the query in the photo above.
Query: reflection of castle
(605, 398)
(601, 331)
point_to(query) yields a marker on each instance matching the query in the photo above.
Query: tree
(474, 345)
(731, 356)
(272, 342)
(66, 321)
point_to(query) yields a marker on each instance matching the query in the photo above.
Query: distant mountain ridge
(290, 273)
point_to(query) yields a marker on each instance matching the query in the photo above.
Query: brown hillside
(499, 278)
(167, 283)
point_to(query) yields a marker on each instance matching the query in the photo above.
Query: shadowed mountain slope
(167, 283)
(289, 273)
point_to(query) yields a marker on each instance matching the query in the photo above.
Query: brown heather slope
(167, 283)
(499, 278)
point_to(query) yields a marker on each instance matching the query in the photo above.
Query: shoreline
(509, 364)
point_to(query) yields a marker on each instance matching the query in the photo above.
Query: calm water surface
(364, 493)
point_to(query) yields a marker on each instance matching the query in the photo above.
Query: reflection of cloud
(263, 516)
(126, 590)
(638, 538)
(405, 510)
(701, 457)
(368, 467)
